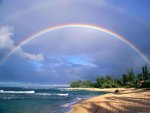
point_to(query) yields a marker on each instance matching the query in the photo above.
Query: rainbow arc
(87, 26)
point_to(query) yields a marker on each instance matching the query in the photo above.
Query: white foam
(66, 89)
(20, 92)
(43, 94)
(33, 92)
(1, 91)
(68, 104)
(63, 94)
(77, 99)
(49, 94)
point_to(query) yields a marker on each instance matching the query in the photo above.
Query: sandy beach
(128, 100)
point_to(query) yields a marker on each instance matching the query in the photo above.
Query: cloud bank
(6, 42)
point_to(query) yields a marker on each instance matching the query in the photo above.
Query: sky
(67, 54)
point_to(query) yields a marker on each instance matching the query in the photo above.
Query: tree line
(130, 79)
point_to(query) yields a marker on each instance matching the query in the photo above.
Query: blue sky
(64, 55)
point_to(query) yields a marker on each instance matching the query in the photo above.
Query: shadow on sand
(115, 104)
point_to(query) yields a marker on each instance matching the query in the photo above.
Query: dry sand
(126, 101)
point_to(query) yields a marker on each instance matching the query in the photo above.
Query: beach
(128, 100)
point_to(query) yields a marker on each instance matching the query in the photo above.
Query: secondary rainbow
(87, 26)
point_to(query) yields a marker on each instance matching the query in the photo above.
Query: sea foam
(51, 94)
(22, 92)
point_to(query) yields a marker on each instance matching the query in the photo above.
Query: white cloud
(35, 57)
(5, 38)
(6, 42)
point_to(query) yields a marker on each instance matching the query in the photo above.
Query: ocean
(41, 100)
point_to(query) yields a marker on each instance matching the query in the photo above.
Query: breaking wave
(50, 94)
(20, 92)
(33, 92)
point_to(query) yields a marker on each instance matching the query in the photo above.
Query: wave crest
(20, 92)
(50, 94)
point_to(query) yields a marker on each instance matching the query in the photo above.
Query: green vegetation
(126, 80)
(79, 83)
(145, 72)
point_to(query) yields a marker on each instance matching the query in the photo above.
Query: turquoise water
(25, 100)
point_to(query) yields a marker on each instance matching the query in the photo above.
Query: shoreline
(127, 100)
(89, 89)
(108, 90)
(111, 90)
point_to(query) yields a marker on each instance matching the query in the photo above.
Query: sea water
(41, 100)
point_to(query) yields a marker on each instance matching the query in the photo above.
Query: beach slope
(126, 101)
